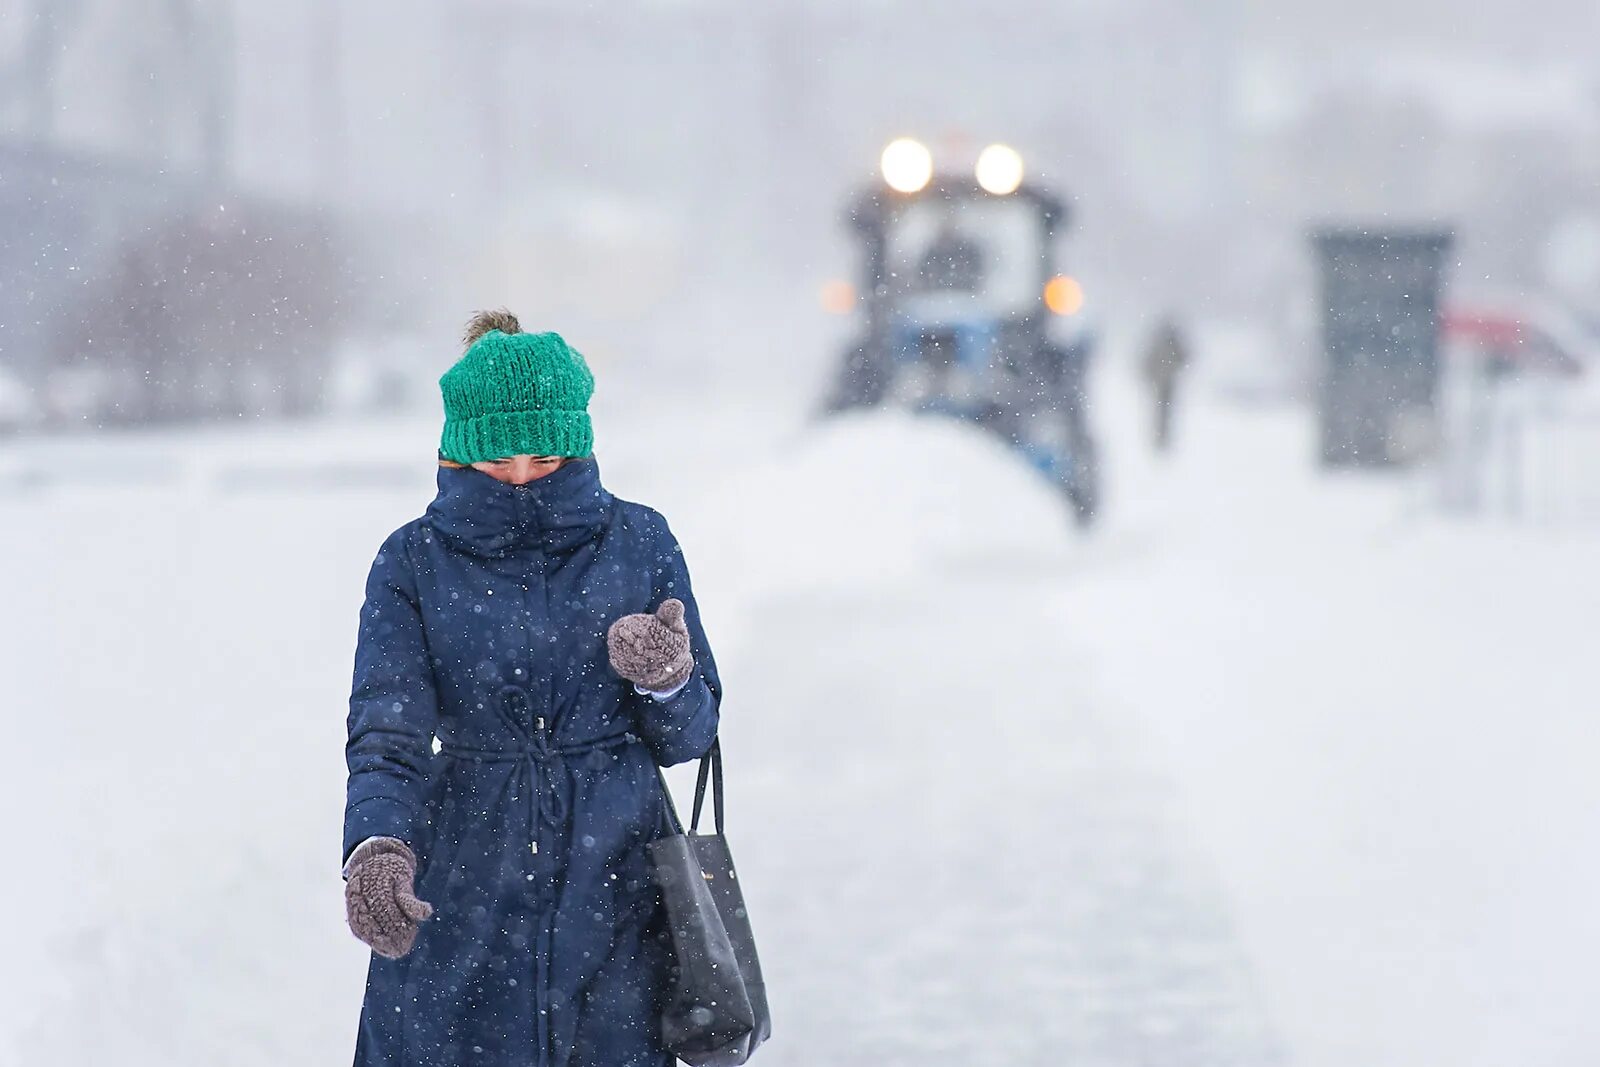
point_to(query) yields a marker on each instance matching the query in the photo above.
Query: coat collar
(490, 518)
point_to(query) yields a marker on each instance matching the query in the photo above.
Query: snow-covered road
(1265, 771)
(957, 857)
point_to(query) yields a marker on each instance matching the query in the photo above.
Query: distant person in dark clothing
(1164, 361)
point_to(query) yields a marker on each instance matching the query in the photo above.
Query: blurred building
(461, 153)
(154, 287)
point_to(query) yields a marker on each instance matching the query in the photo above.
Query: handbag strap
(711, 762)
(710, 768)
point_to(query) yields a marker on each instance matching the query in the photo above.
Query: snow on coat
(485, 627)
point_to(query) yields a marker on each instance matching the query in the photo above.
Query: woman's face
(519, 470)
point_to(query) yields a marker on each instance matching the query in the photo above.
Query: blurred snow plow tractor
(963, 312)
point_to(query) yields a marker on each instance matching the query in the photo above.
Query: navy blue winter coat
(485, 627)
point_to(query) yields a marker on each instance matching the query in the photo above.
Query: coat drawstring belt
(547, 803)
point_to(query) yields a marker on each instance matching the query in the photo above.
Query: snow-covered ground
(1269, 769)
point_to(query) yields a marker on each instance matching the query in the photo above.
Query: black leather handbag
(716, 1004)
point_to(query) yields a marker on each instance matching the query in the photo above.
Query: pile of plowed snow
(869, 501)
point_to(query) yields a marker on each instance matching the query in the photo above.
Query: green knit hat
(517, 394)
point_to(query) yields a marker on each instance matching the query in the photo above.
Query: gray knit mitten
(379, 902)
(652, 651)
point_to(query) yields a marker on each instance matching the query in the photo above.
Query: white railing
(1525, 449)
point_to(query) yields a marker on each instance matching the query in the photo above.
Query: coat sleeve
(394, 708)
(680, 727)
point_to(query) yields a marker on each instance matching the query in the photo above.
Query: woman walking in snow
(544, 634)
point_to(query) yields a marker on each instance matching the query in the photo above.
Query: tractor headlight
(999, 169)
(907, 165)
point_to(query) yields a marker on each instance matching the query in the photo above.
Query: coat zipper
(533, 844)
(542, 947)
